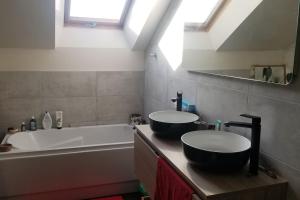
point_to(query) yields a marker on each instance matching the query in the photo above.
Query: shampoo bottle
(47, 121)
(23, 127)
(33, 124)
(59, 119)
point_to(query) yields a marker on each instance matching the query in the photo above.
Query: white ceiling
(38, 24)
(31, 24)
(27, 24)
(271, 26)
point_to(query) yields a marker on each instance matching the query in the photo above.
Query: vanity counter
(209, 185)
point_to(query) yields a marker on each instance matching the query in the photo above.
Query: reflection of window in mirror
(198, 14)
(243, 34)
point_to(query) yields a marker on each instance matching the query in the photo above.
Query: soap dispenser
(47, 121)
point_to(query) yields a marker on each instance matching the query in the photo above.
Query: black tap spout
(238, 124)
(255, 127)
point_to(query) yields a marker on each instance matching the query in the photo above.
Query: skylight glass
(198, 11)
(97, 10)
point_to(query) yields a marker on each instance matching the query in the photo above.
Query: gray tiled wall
(226, 99)
(86, 98)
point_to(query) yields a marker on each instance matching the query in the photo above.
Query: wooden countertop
(208, 185)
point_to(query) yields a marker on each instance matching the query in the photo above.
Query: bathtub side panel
(60, 172)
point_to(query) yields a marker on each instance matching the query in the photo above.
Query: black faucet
(255, 139)
(178, 101)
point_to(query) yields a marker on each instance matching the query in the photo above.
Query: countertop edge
(195, 187)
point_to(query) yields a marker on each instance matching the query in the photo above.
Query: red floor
(110, 198)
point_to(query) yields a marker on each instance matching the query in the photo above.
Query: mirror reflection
(245, 39)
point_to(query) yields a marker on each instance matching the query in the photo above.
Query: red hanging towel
(170, 186)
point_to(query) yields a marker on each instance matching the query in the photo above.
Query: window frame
(190, 27)
(92, 22)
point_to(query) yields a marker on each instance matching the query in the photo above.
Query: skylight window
(96, 12)
(199, 13)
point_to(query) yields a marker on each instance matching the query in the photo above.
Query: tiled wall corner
(225, 99)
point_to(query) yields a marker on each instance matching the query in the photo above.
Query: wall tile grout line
(280, 161)
(73, 92)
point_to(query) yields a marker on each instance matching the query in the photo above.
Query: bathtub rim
(19, 153)
(68, 128)
(71, 150)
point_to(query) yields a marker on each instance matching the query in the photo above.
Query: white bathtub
(71, 163)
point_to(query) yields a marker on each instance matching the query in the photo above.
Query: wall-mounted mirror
(253, 40)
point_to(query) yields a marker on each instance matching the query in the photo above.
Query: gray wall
(86, 98)
(226, 99)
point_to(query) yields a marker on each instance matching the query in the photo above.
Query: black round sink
(216, 150)
(171, 123)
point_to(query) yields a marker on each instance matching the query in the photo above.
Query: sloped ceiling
(271, 26)
(148, 23)
(27, 24)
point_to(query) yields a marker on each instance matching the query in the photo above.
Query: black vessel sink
(216, 150)
(171, 123)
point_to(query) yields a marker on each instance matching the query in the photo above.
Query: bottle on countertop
(59, 119)
(33, 124)
(218, 125)
(47, 121)
(23, 127)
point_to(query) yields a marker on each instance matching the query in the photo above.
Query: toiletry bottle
(23, 127)
(47, 121)
(59, 119)
(218, 125)
(33, 124)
